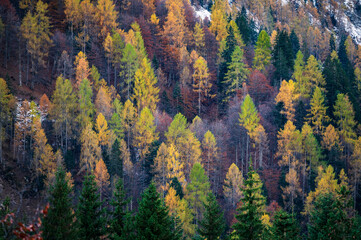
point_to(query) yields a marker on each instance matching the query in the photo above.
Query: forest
(180, 119)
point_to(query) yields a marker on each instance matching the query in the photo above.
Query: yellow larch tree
(144, 133)
(210, 158)
(288, 96)
(103, 102)
(219, 20)
(201, 84)
(102, 130)
(174, 28)
(232, 185)
(44, 159)
(101, 177)
(326, 182)
(106, 16)
(82, 70)
(129, 116)
(145, 89)
(90, 149)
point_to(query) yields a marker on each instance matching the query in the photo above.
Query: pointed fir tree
(249, 223)
(282, 57)
(328, 220)
(90, 218)
(119, 213)
(59, 222)
(285, 226)
(116, 163)
(152, 221)
(213, 224)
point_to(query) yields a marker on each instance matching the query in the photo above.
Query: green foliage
(116, 163)
(152, 221)
(91, 222)
(119, 213)
(285, 226)
(329, 219)
(85, 104)
(282, 57)
(249, 224)
(237, 72)
(175, 184)
(115, 124)
(129, 65)
(343, 112)
(197, 191)
(59, 222)
(213, 224)
(262, 52)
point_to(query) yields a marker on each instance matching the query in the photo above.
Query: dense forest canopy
(178, 119)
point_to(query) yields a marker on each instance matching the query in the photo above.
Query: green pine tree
(116, 163)
(119, 213)
(152, 221)
(212, 225)
(59, 222)
(262, 52)
(129, 67)
(329, 220)
(89, 214)
(249, 225)
(285, 226)
(282, 57)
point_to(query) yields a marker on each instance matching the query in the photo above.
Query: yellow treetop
(288, 96)
(232, 185)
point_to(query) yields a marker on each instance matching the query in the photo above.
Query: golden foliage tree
(82, 70)
(144, 133)
(288, 96)
(90, 149)
(102, 129)
(145, 89)
(201, 85)
(166, 167)
(103, 102)
(106, 16)
(35, 30)
(129, 116)
(101, 177)
(232, 185)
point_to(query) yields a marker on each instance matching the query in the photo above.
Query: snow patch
(202, 13)
(355, 32)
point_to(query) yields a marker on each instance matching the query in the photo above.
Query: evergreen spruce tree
(285, 226)
(294, 42)
(212, 225)
(89, 214)
(282, 57)
(59, 222)
(231, 43)
(176, 185)
(249, 224)
(116, 164)
(328, 219)
(152, 221)
(118, 215)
